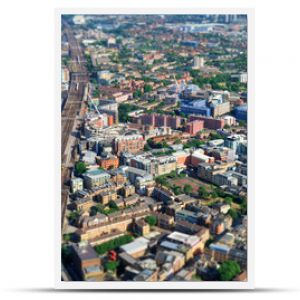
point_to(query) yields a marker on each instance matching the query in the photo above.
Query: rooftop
(183, 238)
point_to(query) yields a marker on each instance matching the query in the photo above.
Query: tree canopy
(228, 270)
(80, 167)
(151, 220)
(187, 189)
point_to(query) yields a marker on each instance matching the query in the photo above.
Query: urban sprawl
(154, 148)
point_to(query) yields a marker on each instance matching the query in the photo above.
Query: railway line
(71, 113)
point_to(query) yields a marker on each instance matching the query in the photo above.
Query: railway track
(70, 113)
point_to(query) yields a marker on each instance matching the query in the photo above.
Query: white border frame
(168, 285)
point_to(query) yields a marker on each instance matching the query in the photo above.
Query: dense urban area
(154, 148)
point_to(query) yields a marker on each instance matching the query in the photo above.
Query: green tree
(214, 194)
(228, 200)
(137, 94)
(112, 204)
(234, 214)
(80, 167)
(73, 216)
(111, 266)
(242, 123)
(113, 244)
(151, 220)
(162, 180)
(203, 193)
(147, 88)
(187, 189)
(147, 147)
(228, 270)
(124, 109)
(177, 141)
(216, 136)
(177, 190)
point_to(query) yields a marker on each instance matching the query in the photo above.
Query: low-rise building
(141, 227)
(164, 221)
(127, 190)
(225, 179)
(108, 161)
(137, 248)
(87, 262)
(129, 143)
(96, 177)
(107, 196)
(194, 127)
(83, 204)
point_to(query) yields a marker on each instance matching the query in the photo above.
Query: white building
(95, 177)
(79, 20)
(198, 62)
(76, 184)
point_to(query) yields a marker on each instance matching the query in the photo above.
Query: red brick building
(158, 120)
(131, 143)
(109, 162)
(194, 126)
(209, 123)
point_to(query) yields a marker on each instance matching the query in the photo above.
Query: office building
(76, 184)
(241, 112)
(197, 107)
(93, 178)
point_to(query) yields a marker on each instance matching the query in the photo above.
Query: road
(72, 113)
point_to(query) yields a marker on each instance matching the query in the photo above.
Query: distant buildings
(196, 102)
(110, 107)
(198, 62)
(155, 165)
(79, 20)
(197, 107)
(209, 123)
(235, 142)
(241, 112)
(242, 77)
(158, 120)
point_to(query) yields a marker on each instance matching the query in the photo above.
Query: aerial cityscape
(154, 148)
